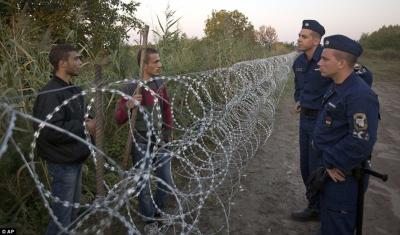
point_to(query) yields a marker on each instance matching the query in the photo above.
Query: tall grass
(24, 69)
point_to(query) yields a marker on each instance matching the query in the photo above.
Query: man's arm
(297, 91)
(121, 113)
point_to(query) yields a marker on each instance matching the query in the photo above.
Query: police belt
(309, 112)
(316, 180)
(357, 171)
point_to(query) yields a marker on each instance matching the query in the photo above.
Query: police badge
(360, 126)
(360, 122)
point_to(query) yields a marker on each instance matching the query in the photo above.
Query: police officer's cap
(343, 43)
(314, 26)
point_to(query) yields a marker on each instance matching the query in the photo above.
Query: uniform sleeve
(45, 104)
(356, 146)
(297, 89)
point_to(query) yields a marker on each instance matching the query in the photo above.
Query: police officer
(345, 132)
(364, 73)
(310, 87)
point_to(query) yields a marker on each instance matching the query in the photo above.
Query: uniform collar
(317, 53)
(316, 56)
(341, 88)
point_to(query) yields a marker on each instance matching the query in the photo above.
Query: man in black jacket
(64, 155)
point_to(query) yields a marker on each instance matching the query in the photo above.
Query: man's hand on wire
(131, 103)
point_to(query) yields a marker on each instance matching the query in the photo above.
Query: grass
(381, 65)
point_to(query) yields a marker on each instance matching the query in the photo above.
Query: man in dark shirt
(345, 132)
(310, 87)
(64, 155)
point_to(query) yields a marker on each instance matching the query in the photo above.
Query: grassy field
(382, 63)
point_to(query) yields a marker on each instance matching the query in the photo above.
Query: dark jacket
(310, 86)
(52, 145)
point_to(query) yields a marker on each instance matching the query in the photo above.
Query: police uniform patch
(360, 122)
(361, 135)
(360, 126)
(299, 69)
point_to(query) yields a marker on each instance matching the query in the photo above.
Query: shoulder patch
(360, 122)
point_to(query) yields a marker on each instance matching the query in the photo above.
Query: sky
(348, 17)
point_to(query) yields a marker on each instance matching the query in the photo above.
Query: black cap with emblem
(342, 43)
(314, 26)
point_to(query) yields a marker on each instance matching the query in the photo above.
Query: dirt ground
(273, 187)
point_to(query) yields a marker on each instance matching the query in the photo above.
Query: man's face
(73, 63)
(306, 41)
(153, 66)
(328, 65)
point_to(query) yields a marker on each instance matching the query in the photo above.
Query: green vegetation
(230, 38)
(382, 52)
(96, 24)
(383, 43)
(381, 66)
(387, 37)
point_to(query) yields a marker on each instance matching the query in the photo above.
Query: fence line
(221, 117)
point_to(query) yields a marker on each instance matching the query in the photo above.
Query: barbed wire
(221, 117)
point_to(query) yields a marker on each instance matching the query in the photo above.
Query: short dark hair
(316, 35)
(60, 52)
(148, 51)
(349, 58)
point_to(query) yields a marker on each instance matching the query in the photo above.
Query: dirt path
(273, 186)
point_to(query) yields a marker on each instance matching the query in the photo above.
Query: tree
(266, 36)
(100, 24)
(228, 25)
(387, 37)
